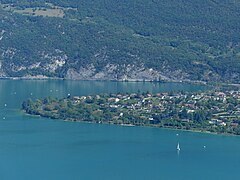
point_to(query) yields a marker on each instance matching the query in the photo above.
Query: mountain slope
(134, 39)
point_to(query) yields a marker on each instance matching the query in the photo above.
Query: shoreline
(142, 126)
(104, 80)
(123, 80)
(131, 125)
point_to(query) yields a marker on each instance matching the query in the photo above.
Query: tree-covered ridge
(177, 39)
(213, 111)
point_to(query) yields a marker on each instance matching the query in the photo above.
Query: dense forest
(172, 39)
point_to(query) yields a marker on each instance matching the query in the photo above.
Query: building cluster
(215, 108)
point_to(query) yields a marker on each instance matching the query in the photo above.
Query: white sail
(178, 147)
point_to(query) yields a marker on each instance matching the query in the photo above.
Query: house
(234, 124)
(185, 120)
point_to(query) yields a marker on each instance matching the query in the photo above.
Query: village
(211, 111)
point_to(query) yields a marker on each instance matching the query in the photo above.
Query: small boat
(178, 147)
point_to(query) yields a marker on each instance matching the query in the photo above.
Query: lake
(39, 148)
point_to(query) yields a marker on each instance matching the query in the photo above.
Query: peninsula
(212, 111)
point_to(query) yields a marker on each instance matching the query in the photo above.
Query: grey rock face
(122, 73)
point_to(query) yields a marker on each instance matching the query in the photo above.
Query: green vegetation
(213, 111)
(198, 39)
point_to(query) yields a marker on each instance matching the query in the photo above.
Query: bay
(39, 148)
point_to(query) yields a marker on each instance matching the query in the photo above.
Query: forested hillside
(121, 39)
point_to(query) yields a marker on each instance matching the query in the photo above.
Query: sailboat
(178, 147)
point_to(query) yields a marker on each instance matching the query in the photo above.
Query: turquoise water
(38, 148)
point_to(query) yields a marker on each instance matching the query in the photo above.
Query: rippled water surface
(38, 148)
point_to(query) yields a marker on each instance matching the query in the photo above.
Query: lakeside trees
(175, 110)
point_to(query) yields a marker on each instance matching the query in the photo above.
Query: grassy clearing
(53, 11)
(42, 12)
